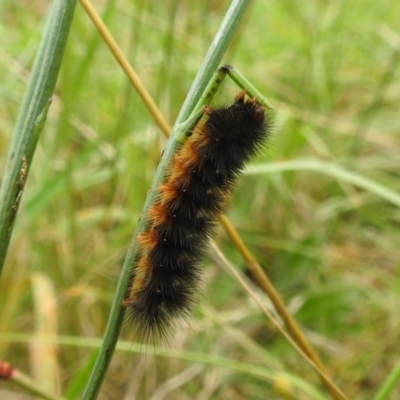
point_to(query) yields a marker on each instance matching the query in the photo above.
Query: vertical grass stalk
(32, 116)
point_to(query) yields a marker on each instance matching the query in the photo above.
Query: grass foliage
(329, 244)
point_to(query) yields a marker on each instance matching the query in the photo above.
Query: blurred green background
(331, 247)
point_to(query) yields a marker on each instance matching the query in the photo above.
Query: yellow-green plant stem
(266, 285)
(131, 74)
(335, 391)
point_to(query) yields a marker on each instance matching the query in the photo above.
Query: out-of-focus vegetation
(330, 245)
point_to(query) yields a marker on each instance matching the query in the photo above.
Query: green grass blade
(389, 383)
(32, 116)
(266, 374)
(206, 71)
(331, 169)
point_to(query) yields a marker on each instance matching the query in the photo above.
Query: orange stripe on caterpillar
(141, 271)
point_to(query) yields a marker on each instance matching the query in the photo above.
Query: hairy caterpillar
(189, 199)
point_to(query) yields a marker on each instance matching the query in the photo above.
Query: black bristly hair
(189, 199)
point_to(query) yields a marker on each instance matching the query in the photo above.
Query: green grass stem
(389, 383)
(32, 116)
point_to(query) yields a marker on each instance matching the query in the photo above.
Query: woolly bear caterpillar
(189, 199)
